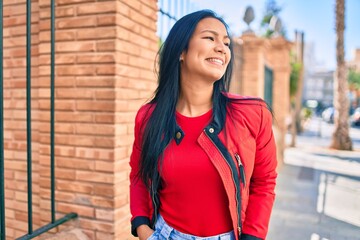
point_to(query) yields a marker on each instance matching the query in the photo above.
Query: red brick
(105, 190)
(75, 163)
(105, 46)
(59, 12)
(132, 72)
(128, 47)
(91, 177)
(15, 42)
(74, 140)
(70, 186)
(102, 81)
(14, 21)
(141, 19)
(132, 4)
(78, 22)
(96, 33)
(106, 20)
(95, 153)
(105, 236)
(66, 93)
(104, 142)
(102, 70)
(121, 200)
(104, 214)
(140, 62)
(97, 225)
(96, 8)
(129, 24)
(105, 94)
(68, 2)
(95, 129)
(98, 106)
(75, 47)
(96, 58)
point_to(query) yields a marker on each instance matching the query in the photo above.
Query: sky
(316, 18)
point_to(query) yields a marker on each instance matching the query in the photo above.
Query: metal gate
(268, 86)
(54, 222)
(169, 12)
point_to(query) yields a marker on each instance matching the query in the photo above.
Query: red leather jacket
(244, 153)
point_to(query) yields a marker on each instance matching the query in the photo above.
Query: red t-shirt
(193, 198)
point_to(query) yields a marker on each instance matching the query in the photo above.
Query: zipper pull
(241, 169)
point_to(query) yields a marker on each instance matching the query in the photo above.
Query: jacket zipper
(232, 175)
(241, 169)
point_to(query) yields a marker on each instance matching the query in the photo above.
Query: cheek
(228, 58)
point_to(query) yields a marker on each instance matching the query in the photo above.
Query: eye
(209, 37)
(227, 44)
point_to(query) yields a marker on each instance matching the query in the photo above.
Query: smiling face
(208, 53)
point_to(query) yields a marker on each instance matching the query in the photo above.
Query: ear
(181, 58)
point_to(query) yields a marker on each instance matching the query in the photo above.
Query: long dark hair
(161, 126)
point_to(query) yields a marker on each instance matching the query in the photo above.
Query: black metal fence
(31, 233)
(169, 12)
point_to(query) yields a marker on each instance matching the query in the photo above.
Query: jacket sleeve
(262, 182)
(140, 204)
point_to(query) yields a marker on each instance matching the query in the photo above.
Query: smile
(216, 60)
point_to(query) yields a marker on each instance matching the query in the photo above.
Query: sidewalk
(318, 190)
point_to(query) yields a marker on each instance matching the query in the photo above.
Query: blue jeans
(164, 232)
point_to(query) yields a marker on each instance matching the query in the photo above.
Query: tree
(354, 79)
(271, 10)
(296, 68)
(340, 138)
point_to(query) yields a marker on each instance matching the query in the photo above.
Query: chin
(216, 77)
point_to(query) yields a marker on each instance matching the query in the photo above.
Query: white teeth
(216, 60)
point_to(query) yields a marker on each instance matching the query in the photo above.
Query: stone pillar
(252, 66)
(255, 54)
(279, 55)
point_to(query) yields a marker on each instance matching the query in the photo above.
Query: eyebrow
(214, 32)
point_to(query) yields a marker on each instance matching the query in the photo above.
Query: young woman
(203, 161)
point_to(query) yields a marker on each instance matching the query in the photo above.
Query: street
(318, 189)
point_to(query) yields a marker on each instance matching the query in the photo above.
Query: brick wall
(105, 53)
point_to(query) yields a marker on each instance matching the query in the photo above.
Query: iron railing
(2, 177)
(169, 12)
(54, 223)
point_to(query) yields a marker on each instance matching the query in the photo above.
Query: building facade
(319, 86)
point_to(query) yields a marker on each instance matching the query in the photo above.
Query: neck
(194, 100)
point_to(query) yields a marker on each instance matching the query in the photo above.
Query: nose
(221, 48)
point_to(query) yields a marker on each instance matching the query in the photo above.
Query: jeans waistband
(164, 231)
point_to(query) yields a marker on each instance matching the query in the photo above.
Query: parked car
(355, 117)
(328, 115)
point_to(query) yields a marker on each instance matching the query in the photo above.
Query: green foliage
(354, 78)
(306, 113)
(271, 9)
(294, 77)
(160, 42)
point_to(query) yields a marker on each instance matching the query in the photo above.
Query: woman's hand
(144, 232)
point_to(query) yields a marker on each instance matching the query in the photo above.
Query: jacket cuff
(249, 237)
(137, 221)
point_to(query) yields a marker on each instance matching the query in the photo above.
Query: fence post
(2, 177)
(28, 112)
